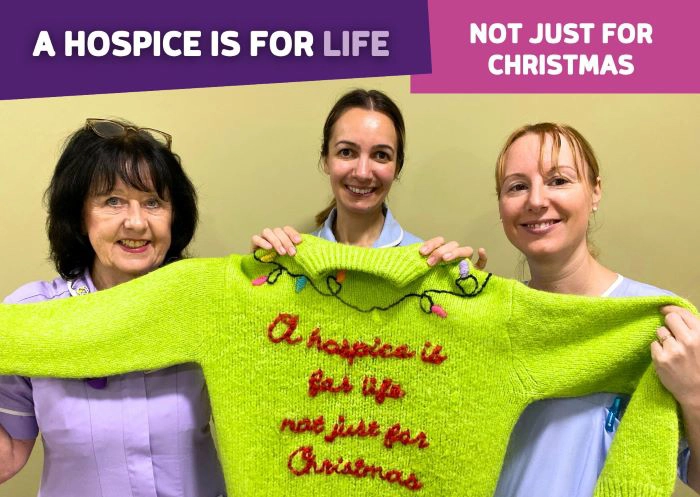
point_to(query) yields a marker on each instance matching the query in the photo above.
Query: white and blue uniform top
(392, 234)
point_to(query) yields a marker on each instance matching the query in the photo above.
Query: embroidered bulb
(436, 309)
(463, 268)
(300, 283)
(340, 276)
(260, 280)
(269, 257)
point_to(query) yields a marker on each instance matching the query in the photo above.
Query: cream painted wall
(252, 152)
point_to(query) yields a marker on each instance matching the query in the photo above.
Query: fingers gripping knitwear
(314, 398)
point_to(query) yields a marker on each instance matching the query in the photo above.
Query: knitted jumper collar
(398, 265)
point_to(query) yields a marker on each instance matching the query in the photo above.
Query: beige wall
(252, 153)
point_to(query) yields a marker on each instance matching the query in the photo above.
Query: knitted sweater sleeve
(566, 345)
(116, 330)
(591, 344)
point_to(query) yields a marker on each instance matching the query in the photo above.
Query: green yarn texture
(312, 398)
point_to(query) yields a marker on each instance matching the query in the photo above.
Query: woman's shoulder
(39, 291)
(631, 288)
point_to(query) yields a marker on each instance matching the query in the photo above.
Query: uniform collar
(391, 235)
(81, 285)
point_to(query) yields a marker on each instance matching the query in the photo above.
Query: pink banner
(563, 47)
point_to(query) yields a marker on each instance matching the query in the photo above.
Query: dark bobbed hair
(373, 100)
(89, 165)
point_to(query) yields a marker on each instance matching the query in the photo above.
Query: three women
(548, 185)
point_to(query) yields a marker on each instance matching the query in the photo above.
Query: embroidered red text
(386, 390)
(433, 356)
(396, 435)
(302, 461)
(304, 425)
(318, 384)
(291, 321)
(350, 352)
(361, 429)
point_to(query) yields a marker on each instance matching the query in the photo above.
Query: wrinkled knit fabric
(314, 397)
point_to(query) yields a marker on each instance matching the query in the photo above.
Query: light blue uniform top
(392, 234)
(558, 446)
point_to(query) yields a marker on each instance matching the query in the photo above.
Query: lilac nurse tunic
(143, 435)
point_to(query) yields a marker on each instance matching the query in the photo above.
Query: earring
(595, 209)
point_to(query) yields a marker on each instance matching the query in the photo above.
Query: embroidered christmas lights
(334, 286)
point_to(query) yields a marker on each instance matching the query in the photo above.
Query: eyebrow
(514, 175)
(551, 171)
(563, 166)
(560, 167)
(353, 144)
(122, 191)
(105, 193)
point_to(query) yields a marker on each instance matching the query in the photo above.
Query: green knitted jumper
(315, 395)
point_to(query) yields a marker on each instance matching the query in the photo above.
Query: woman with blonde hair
(549, 187)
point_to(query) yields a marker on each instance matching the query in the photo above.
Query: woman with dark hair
(119, 206)
(363, 153)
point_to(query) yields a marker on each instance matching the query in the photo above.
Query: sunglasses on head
(106, 128)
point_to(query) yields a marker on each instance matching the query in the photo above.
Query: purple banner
(75, 48)
(598, 46)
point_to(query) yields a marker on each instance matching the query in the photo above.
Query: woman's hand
(437, 250)
(14, 454)
(283, 240)
(676, 357)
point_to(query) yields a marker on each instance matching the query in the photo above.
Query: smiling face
(361, 160)
(545, 208)
(129, 230)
